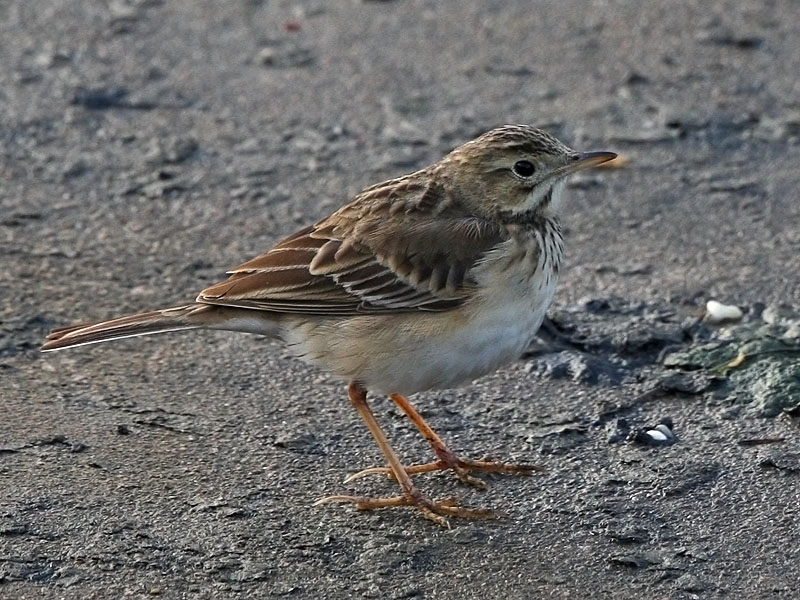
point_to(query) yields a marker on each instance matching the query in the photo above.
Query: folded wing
(400, 246)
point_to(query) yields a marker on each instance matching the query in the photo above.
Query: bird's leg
(435, 511)
(447, 458)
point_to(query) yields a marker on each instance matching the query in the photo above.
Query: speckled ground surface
(146, 146)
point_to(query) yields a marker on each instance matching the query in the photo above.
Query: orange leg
(447, 458)
(435, 511)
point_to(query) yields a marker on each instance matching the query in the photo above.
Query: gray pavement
(146, 146)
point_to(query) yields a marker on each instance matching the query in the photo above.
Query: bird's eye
(524, 168)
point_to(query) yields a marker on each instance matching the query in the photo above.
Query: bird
(422, 282)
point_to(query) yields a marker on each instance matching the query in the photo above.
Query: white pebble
(656, 435)
(665, 431)
(716, 312)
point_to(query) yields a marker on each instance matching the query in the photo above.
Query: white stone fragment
(656, 435)
(716, 312)
(665, 431)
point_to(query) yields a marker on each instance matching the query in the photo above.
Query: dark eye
(524, 168)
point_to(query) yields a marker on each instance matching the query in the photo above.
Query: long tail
(157, 321)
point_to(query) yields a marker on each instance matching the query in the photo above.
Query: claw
(370, 471)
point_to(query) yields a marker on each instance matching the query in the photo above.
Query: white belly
(410, 352)
(502, 327)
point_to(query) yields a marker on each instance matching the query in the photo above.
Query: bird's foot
(460, 466)
(430, 509)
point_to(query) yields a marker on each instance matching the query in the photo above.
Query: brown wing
(399, 246)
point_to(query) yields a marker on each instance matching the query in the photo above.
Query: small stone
(665, 431)
(776, 314)
(266, 55)
(656, 436)
(660, 435)
(716, 312)
(285, 56)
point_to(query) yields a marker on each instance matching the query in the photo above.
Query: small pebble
(660, 435)
(657, 436)
(665, 431)
(716, 312)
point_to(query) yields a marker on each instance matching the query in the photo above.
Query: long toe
(430, 509)
(370, 471)
(460, 466)
(491, 466)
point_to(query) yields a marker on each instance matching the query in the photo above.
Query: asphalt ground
(147, 146)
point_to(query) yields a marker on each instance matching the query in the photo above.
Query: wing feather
(405, 245)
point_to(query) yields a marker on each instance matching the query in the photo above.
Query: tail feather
(157, 321)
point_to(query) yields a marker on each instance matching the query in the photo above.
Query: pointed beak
(584, 160)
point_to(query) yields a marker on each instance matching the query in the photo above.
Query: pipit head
(516, 169)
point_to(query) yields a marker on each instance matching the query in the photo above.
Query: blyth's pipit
(425, 281)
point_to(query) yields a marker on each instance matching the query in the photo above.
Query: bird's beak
(585, 160)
